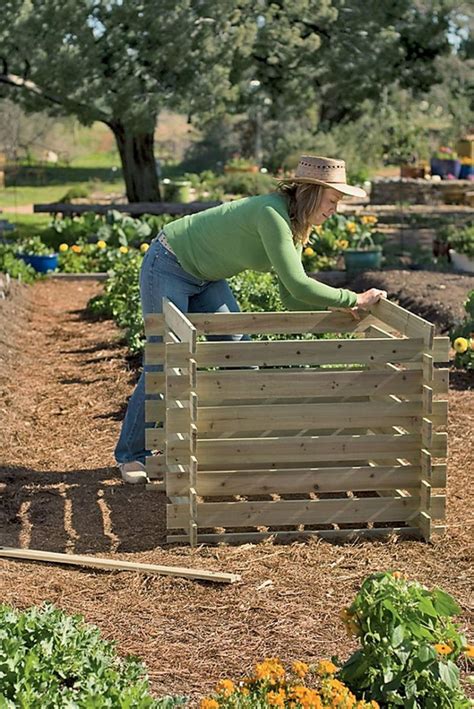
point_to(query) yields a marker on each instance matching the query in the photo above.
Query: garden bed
(64, 389)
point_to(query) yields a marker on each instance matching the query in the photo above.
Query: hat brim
(338, 186)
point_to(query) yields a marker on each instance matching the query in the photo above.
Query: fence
(337, 438)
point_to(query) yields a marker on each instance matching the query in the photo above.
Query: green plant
(409, 645)
(76, 192)
(240, 163)
(14, 266)
(34, 246)
(462, 336)
(55, 660)
(462, 240)
(246, 184)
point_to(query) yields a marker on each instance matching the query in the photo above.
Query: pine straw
(61, 408)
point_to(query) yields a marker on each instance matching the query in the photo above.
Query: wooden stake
(117, 565)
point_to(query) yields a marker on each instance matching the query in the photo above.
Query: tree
(120, 62)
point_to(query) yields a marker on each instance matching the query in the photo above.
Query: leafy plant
(409, 645)
(15, 267)
(462, 336)
(462, 240)
(55, 660)
(34, 246)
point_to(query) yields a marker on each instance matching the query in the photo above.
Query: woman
(189, 261)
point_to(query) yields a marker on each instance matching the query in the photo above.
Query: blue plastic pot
(467, 172)
(41, 264)
(362, 259)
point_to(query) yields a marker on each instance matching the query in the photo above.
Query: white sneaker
(133, 472)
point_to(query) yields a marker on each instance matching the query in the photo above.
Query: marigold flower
(77, 249)
(144, 248)
(300, 668)
(443, 649)
(460, 344)
(208, 703)
(469, 650)
(123, 249)
(326, 667)
(276, 699)
(351, 226)
(308, 251)
(397, 575)
(342, 244)
(101, 244)
(225, 687)
(271, 669)
(63, 247)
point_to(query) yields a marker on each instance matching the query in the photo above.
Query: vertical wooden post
(178, 330)
(424, 520)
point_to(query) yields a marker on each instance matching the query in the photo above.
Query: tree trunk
(138, 163)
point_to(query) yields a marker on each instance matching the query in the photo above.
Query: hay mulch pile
(65, 381)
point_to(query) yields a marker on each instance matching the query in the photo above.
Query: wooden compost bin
(336, 438)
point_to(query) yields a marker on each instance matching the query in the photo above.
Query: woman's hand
(370, 297)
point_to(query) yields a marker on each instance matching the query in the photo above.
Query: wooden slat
(154, 410)
(287, 512)
(315, 352)
(154, 382)
(178, 323)
(403, 321)
(154, 438)
(261, 417)
(331, 535)
(298, 480)
(117, 565)
(253, 384)
(299, 448)
(155, 352)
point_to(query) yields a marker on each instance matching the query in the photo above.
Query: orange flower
(225, 687)
(276, 699)
(77, 249)
(208, 703)
(326, 667)
(300, 668)
(443, 649)
(271, 670)
(469, 650)
(397, 575)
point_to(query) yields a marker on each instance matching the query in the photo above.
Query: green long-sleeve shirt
(252, 233)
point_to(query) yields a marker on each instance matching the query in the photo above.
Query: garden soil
(64, 382)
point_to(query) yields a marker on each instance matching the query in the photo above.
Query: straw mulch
(65, 381)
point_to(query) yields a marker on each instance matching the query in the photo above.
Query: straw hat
(326, 172)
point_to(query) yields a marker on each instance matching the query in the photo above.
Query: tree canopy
(122, 61)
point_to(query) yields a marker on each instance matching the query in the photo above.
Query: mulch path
(64, 385)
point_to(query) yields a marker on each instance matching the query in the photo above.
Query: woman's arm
(297, 290)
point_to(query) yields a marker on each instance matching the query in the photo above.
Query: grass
(14, 196)
(27, 224)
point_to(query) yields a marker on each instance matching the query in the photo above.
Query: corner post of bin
(154, 396)
(180, 342)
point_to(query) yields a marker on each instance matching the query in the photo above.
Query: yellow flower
(101, 244)
(225, 687)
(77, 249)
(207, 703)
(443, 649)
(351, 226)
(144, 248)
(123, 249)
(460, 344)
(63, 247)
(300, 668)
(369, 219)
(308, 251)
(276, 699)
(469, 650)
(326, 667)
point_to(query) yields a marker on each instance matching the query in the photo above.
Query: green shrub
(462, 336)
(256, 292)
(409, 645)
(246, 183)
(51, 659)
(14, 266)
(76, 192)
(34, 245)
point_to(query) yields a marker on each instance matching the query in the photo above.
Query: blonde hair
(303, 200)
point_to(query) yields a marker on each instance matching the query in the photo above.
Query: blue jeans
(162, 276)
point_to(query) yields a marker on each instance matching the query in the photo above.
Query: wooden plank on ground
(332, 535)
(117, 565)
